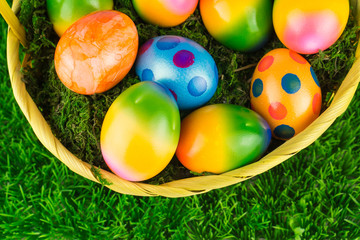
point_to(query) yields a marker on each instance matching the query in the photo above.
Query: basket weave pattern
(178, 188)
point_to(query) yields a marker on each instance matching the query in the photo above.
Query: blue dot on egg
(197, 86)
(216, 72)
(268, 139)
(284, 131)
(291, 83)
(258, 87)
(167, 43)
(147, 75)
(314, 76)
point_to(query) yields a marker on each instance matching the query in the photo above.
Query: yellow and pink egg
(165, 13)
(308, 26)
(140, 131)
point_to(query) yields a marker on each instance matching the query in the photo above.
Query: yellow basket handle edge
(13, 22)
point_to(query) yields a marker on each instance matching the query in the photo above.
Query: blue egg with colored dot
(181, 65)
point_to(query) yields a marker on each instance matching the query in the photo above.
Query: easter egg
(140, 131)
(63, 13)
(285, 92)
(96, 52)
(221, 137)
(165, 13)
(180, 64)
(308, 26)
(240, 25)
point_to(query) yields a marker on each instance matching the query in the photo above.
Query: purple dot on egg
(183, 59)
(147, 75)
(167, 43)
(173, 93)
(284, 131)
(145, 46)
(197, 86)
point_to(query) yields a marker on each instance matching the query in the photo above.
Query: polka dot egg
(285, 92)
(180, 64)
(165, 13)
(308, 26)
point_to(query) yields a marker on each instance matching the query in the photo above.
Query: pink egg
(308, 26)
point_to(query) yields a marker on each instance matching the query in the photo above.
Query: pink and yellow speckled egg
(285, 92)
(221, 137)
(308, 26)
(96, 52)
(140, 131)
(165, 13)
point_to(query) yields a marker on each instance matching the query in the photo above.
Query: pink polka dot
(297, 57)
(145, 46)
(180, 7)
(174, 94)
(316, 104)
(183, 59)
(277, 111)
(265, 63)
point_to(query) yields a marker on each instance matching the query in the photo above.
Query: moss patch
(76, 119)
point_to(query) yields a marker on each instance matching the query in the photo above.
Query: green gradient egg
(63, 13)
(240, 25)
(222, 137)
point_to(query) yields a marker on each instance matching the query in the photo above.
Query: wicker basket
(178, 188)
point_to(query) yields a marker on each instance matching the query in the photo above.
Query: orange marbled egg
(96, 52)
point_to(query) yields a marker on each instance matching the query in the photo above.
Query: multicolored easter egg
(240, 25)
(63, 13)
(221, 137)
(308, 26)
(165, 13)
(285, 92)
(180, 64)
(140, 132)
(96, 52)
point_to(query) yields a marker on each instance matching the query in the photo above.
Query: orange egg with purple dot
(285, 92)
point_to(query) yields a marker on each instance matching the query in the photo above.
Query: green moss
(76, 119)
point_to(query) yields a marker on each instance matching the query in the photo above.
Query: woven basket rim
(177, 188)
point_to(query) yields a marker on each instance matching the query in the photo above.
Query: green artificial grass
(76, 119)
(313, 195)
